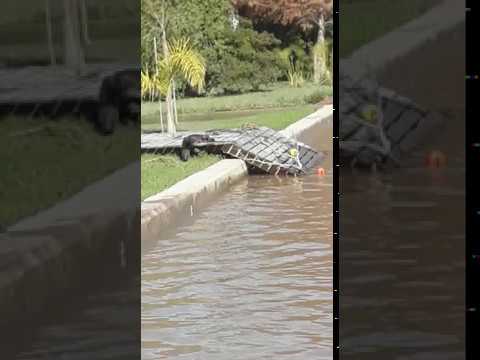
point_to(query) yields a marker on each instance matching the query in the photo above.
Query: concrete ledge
(47, 267)
(187, 196)
(163, 210)
(306, 129)
(47, 257)
(379, 54)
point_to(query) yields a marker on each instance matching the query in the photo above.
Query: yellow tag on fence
(293, 153)
(370, 113)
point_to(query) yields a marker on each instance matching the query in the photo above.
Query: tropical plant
(295, 76)
(182, 62)
(323, 56)
(148, 86)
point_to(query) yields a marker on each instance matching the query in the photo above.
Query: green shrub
(245, 62)
(296, 53)
(315, 97)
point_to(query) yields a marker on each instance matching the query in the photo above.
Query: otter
(119, 100)
(189, 145)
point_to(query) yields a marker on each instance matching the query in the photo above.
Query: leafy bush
(295, 76)
(244, 62)
(298, 54)
(315, 97)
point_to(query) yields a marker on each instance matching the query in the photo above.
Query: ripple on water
(250, 279)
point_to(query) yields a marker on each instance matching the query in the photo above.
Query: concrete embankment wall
(185, 198)
(382, 53)
(47, 258)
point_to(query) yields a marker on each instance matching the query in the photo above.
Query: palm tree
(184, 62)
(75, 32)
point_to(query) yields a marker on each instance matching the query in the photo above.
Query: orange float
(321, 172)
(436, 159)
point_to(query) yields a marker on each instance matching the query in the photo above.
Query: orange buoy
(436, 159)
(321, 172)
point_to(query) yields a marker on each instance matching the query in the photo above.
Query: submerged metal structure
(378, 126)
(263, 149)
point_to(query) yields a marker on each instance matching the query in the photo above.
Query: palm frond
(185, 62)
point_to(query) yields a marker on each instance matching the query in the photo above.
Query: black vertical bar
(472, 142)
(336, 194)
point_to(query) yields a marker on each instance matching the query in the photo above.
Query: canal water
(402, 248)
(249, 278)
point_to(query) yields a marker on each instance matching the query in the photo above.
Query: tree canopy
(303, 13)
(246, 44)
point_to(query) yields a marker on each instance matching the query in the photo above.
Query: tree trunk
(74, 56)
(169, 97)
(319, 59)
(174, 92)
(48, 21)
(85, 31)
(155, 53)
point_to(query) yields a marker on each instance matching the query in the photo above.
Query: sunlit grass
(275, 119)
(44, 161)
(279, 96)
(162, 171)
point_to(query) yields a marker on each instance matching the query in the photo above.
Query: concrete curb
(46, 257)
(379, 54)
(162, 210)
(302, 128)
(183, 199)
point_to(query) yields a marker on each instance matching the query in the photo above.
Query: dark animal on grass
(119, 100)
(189, 144)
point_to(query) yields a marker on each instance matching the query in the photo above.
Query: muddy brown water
(249, 278)
(402, 248)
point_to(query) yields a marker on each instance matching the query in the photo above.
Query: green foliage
(324, 55)
(315, 97)
(296, 52)
(295, 76)
(237, 61)
(182, 61)
(247, 62)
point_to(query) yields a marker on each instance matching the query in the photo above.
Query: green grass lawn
(275, 119)
(162, 171)
(364, 21)
(278, 96)
(44, 162)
